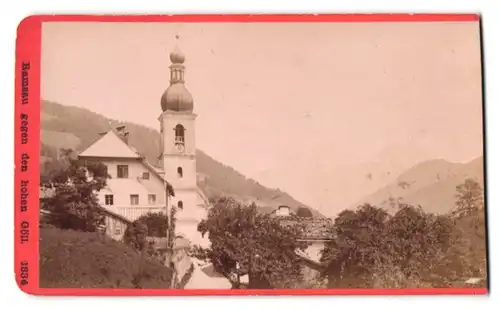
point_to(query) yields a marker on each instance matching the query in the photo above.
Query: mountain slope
(77, 128)
(431, 184)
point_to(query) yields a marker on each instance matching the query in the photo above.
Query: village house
(282, 211)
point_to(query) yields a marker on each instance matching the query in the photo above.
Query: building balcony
(134, 212)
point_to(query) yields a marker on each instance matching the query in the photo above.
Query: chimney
(125, 136)
(122, 133)
(120, 128)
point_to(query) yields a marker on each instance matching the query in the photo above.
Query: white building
(283, 211)
(136, 187)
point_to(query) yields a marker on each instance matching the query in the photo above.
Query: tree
(75, 182)
(469, 197)
(411, 248)
(470, 220)
(418, 243)
(357, 246)
(135, 236)
(304, 212)
(258, 243)
(156, 224)
(148, 225)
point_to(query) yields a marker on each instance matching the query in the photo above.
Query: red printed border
(28, 50)
(27, 126)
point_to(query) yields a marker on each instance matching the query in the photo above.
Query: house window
(115, 227)
(122, 171)
(179, 134)
(179, 172)
(134, 200)
(108, 200)
(145, 175)
(152, 199)
(180, 205)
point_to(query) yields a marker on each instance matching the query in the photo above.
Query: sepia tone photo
(262, 155)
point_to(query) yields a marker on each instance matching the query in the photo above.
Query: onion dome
(177, 57)
(177, 98)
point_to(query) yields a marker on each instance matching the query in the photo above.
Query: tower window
(134, 200)
(179, 134)
(179, 172)
(145, 175)
(122, 171)
(108, 200)
(180, 205)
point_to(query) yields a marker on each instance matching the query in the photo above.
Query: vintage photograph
(287, 155)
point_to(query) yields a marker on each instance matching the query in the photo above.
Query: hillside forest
(77, 128)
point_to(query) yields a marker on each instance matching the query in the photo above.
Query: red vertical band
(26, 153)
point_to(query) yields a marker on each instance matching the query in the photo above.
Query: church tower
(178, 141)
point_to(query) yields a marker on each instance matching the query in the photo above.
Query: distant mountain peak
(430, 184)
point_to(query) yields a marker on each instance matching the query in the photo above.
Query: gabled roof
(203, 196)
(110, 145)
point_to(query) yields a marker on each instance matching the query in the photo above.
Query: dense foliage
(152, 225)
(469, 198)
(156, 224)
(304, 212)
(411, 248)
(75, 259)
(470, 221)
(135, 236)
(260, 246)
(74, 182)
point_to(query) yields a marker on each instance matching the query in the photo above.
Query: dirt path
(204, 277)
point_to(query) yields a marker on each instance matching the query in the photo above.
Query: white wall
(115, 229)
(154, 185)
(190, 216)
(185, 186)
(283, 212)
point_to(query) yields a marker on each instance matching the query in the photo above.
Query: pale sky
(310, 108)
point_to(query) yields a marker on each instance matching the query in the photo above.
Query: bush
(75, 259)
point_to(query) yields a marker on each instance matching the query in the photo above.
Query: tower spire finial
(177, 97)
(176, 56)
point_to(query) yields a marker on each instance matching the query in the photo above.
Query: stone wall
(181, 261)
